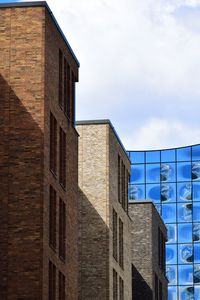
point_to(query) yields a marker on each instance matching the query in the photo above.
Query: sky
(139, 67)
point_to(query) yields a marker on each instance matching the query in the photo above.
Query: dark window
(160, 290)
(127, 185)
(73, 99)
(121, 289)
(119, 178)
(60, 82)
(65, 86)
(121, 244)
(123, 185)
(156, 287)
(62, 152)
(52, 218)
(115, 234)
(62, 229)
(53, 143)
(161, 250)
(115, 286)
(52, 281)
(61, 286)
(68, 109)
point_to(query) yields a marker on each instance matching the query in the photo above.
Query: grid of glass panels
(171, 178)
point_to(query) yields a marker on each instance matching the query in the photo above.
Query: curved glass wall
(171, 178)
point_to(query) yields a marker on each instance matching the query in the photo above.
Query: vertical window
(161, 250)
(73, 99)
(115, 234)
(123, 188)
(52, 281)
(119, 179)
(53, 143)
(68, 110)
(60, 80)
(127, 185)
(160, 290)
(121, 244)
(62, 229)
(121, 289)
(115, 286)
(156, 287)
(61, 286)
(65, 86)
(52, 217)
(62, 152)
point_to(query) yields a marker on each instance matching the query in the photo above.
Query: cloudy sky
(140, 66)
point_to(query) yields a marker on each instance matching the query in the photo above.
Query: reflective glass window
(153, 173)
(185, 212)
(196, 232)
(171, 233)
(183, 171)
(137, 174)
(171, 254)
(185, 233)
(171, 273)
(136, 192)
(168, 155)
(185, 254)
(136, 157)
(172, 293)
(196, 191)
(196, 292)
(185, 274)
(196, 171)
(152, 156)
(168, 192)
(196, 152)
(196, 253)
(186, 293)
(184, 192)
(153, 192)
(167, 172)
(197, 274)
(169, 213)
(196, 211)
(184, 154)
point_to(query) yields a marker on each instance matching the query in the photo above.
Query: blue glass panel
(185, 275)
(152, 173)
(153, 192)
(136, 192)
(168, 155)
(196, 253)
(136, 157)
(196, 211)
(185, 212)
(168, 192)
(152, 156)
(196, 292)
(137, 174)
(196, 232)
(196, 191)
(171, 254)
(196, 171)
(186, 293)
(185, 254)
(184, 154)
(171, 233)
(197, 274)
(171, 273)
(184, 191)
(172, 293)
(185, 233)
(196, 152)
(169, 213)
(183, 171)
(167, 172)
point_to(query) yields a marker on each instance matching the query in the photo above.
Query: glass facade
(171, 178)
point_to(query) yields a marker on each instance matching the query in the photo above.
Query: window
(115, 234)
(61, 286)
(62, 229)
(53, 143)
(73, 99)
(161, 250)
(121, 246)
(68, 100)
(115, 286)
(156, 287)
(121, 289)
(52, 217)
(60, 80)
(160, 290)
(52, 281)
(119, 179)
(62, 174)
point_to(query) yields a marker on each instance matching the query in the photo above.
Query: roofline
(164, 149)
(43, 4)
(103, 122)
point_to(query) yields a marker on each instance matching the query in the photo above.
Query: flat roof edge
(44, 4)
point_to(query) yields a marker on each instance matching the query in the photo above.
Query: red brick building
(38, 156)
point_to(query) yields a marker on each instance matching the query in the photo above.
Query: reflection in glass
(196, 292)
(172, 293)
(167, 172)
(185, 212)
(171, 233)
(196, 152)
(153, 192)
(197, 274)
(171, 273)
(196, 171)
(136, 157)
(184, 191)
(184, 154)
(153, 173)
(185, 254)
(196, 191)
(171, 254)
(196, 211)
(136, 192)
(185, 275)
(183, 171)
(137, 174)
(158, 207)
(169, 213)
(185, 233)
(168, 155)
(186, 293)
(197, 253)
(168, 193)
(196, 232)
(152, 156)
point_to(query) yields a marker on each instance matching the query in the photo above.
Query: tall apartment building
(148, 236)
(104, 233)
(38, 156)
